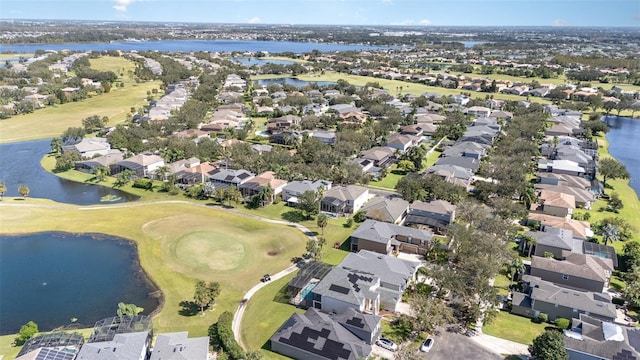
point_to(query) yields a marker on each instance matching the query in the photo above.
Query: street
(452, 346)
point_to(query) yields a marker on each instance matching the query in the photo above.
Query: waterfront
(20, 164)
(52, 277)
(624, 145)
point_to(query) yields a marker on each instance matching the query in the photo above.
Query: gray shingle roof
(589, 338)
(178, 346)
(382, 232)
(580, 265)
(344, 193)
(123, 347)
(384, 209)
(555, 237)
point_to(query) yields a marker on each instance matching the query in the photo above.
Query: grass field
(54, 120)
(516, 79)
(513, 327)
(393, 176)
(267, 310)
(4, 57)
(160, 231)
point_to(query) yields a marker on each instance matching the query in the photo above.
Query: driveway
(452, 346)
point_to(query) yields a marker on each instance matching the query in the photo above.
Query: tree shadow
(293, 216)
(281, 296)
(189, 308)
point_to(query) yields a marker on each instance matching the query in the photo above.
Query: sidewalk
(501, 346)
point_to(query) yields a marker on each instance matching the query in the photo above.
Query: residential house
(466, 162)
(196, 174)
(594, 339)
(283, 123)
(478, 111)
(381, 156)
(178, 346)
(481, 133)
(55, 345)
(286, 137)
(583, 198)
(436, 214)
(391, 210)
(502, 115)
(316, 335)
(540, 296)
(129, 346)
(453, 174)
(413, 130)
(559, 130)
(556, 241)
(366, 282)
(466, 149)
(386, 238)
(230, 177)
(567, 167)
(401, 142)
(575, 271)
(256, 184)
(555, 203)
(89, 147)
(325, 136)
(344, 200)
(580, 229)
(112, 157)
(299, 288)
(548, 178)
(142, 165)
(293, 189)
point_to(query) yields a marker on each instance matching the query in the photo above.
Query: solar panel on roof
(243, 176)
(356, 321)
(339, 289)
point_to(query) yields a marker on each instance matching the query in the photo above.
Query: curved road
(237, 316)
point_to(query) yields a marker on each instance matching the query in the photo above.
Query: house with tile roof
(256, 184)
(555, 203)
(316, 335)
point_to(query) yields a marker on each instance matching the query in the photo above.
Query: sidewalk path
(501, 346)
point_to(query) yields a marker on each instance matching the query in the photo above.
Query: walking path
(501, 346)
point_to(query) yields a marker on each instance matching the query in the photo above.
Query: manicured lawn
(389, 182)
(557, 81)
(267, 310)
(119, 65)
(301, 61)
(269, 76)
(513, 327)
(501, 282)
(177, 244)
(407, 87)
(4, 57)
(54, 120)
(432, 158)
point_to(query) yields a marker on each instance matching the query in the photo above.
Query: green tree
(516, 266)
(56, 145)
(27, 331)
(128, 310)
(631, 251)
(24, 190)
(308, 203)
(3, 189)
(609, 232)
(123, 178)
(162, 172)
(101, 172)
(615, 203)
(429, 313)
(632, 290)
(322, 222)
(406, 166)
(233, 195)
(610, 168)
(205, 294)
(66, 161)
(549, 345)
(315, 247)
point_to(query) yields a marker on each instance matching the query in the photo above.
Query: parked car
(426, 345)
(265, 278)
(386, 344)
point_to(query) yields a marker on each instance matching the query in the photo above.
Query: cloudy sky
(343, 12)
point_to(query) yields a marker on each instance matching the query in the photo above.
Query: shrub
(349, 223)
(221, 337)
(360, 216)
(143, 183)
(562, 323)
(617, 301)
(26, 332)
(542, 318)
(402, 327)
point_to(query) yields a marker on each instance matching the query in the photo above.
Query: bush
(143, 183)
(221, 337)
(617, 301)
(26, 332)
(542, 318)
(349, 223)
(360, 216)
(562, 323)
(402, 326)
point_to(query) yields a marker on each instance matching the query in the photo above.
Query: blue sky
(343, 12)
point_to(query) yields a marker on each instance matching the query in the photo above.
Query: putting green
(210, 250)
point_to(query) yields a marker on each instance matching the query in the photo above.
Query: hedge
(221, 337)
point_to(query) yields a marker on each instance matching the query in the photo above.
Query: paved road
(452, 346)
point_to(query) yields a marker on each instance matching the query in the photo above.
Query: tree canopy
(549, 345)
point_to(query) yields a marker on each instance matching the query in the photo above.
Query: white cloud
(425, 22)
(254, 20)
(121, 5)
(386, 1)
(560, 22)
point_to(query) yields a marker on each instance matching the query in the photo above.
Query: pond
(292, 81)
(20, 164)
(623, 145)
(52, 277)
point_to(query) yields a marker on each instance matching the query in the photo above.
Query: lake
(624, 145)
(52, 277)
(20, 164)
(292, 81)
(192, 45)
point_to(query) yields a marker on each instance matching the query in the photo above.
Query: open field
(265, 313)
(284, 58)
(560, 80)
(54, 120)
(7, 56)
(160, 230)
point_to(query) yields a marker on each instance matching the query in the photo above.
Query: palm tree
(528, 196)
(24, 190)
(515, 267)
(610, 232)
(162, 172)
(266, 194)
(100, 172)
(529, 242)
(322, 221)
(233, 195)
(220, 194)
(3, 189)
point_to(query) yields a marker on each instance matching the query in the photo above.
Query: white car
(387, 344)
(426, 345)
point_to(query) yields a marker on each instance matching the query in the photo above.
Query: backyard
(513, 327)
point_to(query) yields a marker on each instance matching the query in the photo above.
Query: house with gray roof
(540, 296)
(466, 162)
(89, 147)
(576, 271)
(381, 156)
(112, 157)
(563, 180)
(436, 214)
(557, 241)
(143, 165)
(453, 174)
(230, 177)
(594, 339)
(178, 346)
(130, 346)
(325, 136)
(391, 210)
(293, 189)
(365, 281)
(385, 238)
(566, 167)
(344, 200)
(466, 149)
(316, 335)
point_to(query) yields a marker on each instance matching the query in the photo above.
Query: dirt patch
(275, 252)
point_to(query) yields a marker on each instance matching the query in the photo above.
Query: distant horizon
(410, 13)
(424, 27)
